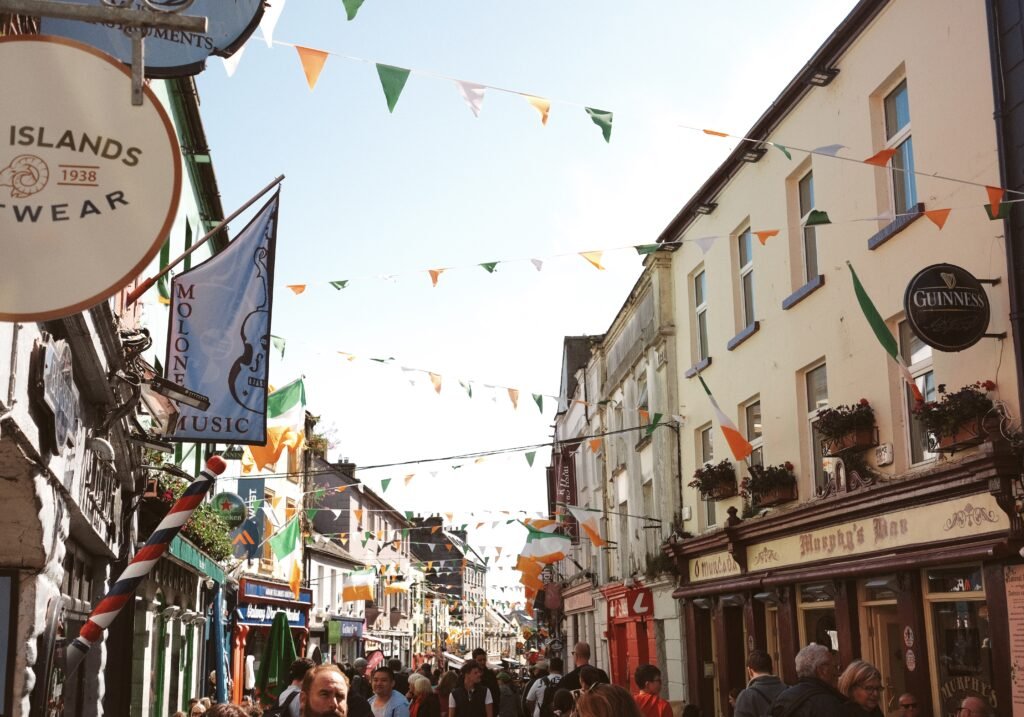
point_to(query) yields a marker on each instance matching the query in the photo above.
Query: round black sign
(947, 307)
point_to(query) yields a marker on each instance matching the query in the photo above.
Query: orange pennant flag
(938, 216)
(408, 478)
(479, 525)
(644, 415)
(995, 198)
(359, 515)
(481, 459)
(449, 516)
(379, 535)
(715, 133)
(434, 529)
(513, 394)
(434, 273)
(449, 546)
(436, 380)
(341, 488)
(312, 63)
(297, 288)
(881, 158)
(541, 105)
(498, 548)
(765, 234)
(595, 444)
(594, 257)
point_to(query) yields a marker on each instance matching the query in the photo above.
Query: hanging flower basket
(769, 485)
(958, 420)
(969, 433)
(716, 481)
(722, 491)
(776, 496)
(847, 427)
(856, 439)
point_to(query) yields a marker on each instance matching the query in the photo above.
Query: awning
(453, 660)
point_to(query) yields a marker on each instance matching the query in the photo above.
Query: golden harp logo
(26, 175)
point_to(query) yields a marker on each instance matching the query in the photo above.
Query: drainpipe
(12, 382)
(218, 643)
(679, 466)
(1014, 259)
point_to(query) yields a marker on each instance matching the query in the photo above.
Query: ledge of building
(743, 335)
(697, 367)
(895, 227)
(803, 292)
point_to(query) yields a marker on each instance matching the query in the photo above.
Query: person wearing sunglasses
(861, 682)
(908, 706)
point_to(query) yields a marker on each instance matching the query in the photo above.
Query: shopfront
(921, 577)
(580, 620)
(631, 633)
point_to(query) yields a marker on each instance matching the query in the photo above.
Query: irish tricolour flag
(589, 522)
(545, 547)
(358, 585)
(739, 445)
(286, 425)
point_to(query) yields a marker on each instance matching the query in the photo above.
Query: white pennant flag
(473, 94)
(271, 14)
(271, 515)
(705, 243)
(537, 263)
(336, 512)
(231, 63)
(830, 149)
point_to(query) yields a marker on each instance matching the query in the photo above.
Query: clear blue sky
(370, 193)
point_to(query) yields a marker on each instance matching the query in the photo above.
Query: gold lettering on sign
(969, 516)
(716, 565)
(765, 556)
(842, 540)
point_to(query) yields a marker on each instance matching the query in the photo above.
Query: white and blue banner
(218, 343)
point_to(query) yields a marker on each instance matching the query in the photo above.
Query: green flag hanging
(489, 266)
(468, 387)
(644, 249)
(385, 482)
(602, 119)
(530, 456)
(352, 7)
(539, 399)
(278, 343)
(339, 285)
(285, 541)
(311, 514)
(392, 79)
(655, 420)
(318, 494)
(408, 515)
(1004, 211)
(405, 533)
(817, 217)
(782, 149)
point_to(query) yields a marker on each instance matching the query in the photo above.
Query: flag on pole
(546, 547)
(286, 427)
(287, 544)
(358, 585)
(589, 521)
(739, 445)
(882, 333)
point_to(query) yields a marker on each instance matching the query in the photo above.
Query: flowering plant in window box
(715, 481)
(847, 427)
(769, 485)
(956, 418)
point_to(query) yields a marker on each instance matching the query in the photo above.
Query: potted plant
(715, 481)
(956, 419)
(847, 427)
(769, 485)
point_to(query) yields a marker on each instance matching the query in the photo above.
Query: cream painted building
(900, 562)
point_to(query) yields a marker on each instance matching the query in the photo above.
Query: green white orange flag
(286, 425)
(589, 522)
(287, 545)
(545, 547)
(882, 333)
(358, 585)
(739, 445)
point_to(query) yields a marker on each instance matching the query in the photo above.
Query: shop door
(886, 648)
(621, 676)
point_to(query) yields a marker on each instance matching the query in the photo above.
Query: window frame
(819, 477)
(897, 140)
(700, 314)
(756, 439)
(920, 370)
(745, 272)
(808, 235)
(706, 450)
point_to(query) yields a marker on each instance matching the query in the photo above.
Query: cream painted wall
(940, 47)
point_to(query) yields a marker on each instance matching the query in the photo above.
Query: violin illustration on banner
(246, 379)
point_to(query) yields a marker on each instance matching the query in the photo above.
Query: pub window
(706, 451)
(816, 385)
(752, 416)
(897, 136)
(917, 355)
(817, 607)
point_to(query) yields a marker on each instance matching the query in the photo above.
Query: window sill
(643, 442)
(803, 292)
(697, 368)
(895, 227)
(743, 335)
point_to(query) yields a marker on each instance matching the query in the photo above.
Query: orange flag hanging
(312, 63)
(765, 234)
(541, 105)
(595, 444)
(341, 488)
(359, 515)
(594, 257)
(881, 158)
(434, 273)
(715, 133)
(436, 380)
(995, 198)
(645, 415)
(408, 478)
(450, 517)
(513, 394)
(434, 529)
(297, 288)
(938, 216)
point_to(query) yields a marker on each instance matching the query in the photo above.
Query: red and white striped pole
(123, 589)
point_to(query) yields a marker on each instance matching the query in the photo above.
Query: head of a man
(817, 661)
(759, 663)
(299, 669)
(359, 665)
(383, 681)
(555, 665)
(471, 675)
(648, 679)
(908, 705)
(590, 676)
(974, 706)
(480, 657)
(395, 665)
(324, 692)
(581, 654)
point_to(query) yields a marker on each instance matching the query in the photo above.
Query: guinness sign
(947, 307)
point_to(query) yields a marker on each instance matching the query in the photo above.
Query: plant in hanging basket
(715, 480)
(769, 485)
(847, 426)
(958, 413)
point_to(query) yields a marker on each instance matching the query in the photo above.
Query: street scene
(380, 358)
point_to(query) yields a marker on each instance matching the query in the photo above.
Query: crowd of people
(821, 690)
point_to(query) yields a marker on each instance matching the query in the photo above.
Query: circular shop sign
(89, 183)
(231, 509)
(947, 307)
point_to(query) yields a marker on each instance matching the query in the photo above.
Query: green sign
(231, 508)
(333, 632)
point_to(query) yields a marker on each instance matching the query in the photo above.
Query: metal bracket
(991, 282)
(1000, 335)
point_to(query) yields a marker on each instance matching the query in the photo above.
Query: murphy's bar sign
(89, 184)
(947, 307)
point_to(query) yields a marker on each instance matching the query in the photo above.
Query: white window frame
(756, 440)
(819, 478)
(700, 312)
(898, 138)
(920, 370)
(746, 270)
(808, 235)
(707, 457)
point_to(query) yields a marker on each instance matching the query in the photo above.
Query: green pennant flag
(365, 541)
(318, 494)
(368, 534)
(278, 343)
(817, 217)
(311, 514)
(1004, 211)
(257, 504)
(655, 420)
(285, 541)
(489, 266)
(530, 456)
(644, 249)
(405, 533)
(339, 285)
(408, 515)
(509, 521)
(468, 387)
(385, 482)
(783, 150)
(602, 119)
(539, 399)
(385, 360)
(352, 7)
(392, 79)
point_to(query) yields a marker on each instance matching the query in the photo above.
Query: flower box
(715, 481)
(776, 496)
(722, 491)
(969, 433)
(856, 439)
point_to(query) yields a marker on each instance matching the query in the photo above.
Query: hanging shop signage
(169, 53)
(263, 615)
(350, 628)
(947, 307)
(89, 184)
(259, 591)
(562, 489)
(231, 509)
(54, 397)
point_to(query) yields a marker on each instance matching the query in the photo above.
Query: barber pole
(124, 589)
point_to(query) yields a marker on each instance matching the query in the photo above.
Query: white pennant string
(231, 63)
(271, 15)
(473, 94)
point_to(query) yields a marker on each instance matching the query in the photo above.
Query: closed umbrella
(277, 659)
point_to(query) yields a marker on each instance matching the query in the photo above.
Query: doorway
(885, 651)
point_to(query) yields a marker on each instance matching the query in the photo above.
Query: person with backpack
(538, 700)
(815, 691)
(537, 672)
(648, 699)
(288, 700)
(762, 686)
(509, 705)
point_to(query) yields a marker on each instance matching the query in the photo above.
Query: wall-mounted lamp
(883, 582)
(179, 394)
(820, 591)
(706, 207)
(769, 598)
(732, 600)
(151, 443)
(703, 603)
(822, 76)
(171, 612)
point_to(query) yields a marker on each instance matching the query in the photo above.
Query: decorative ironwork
(765, 556)
(969, 516)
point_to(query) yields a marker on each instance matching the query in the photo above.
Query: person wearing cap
(539, 671)
(360, 686)
(509, 705)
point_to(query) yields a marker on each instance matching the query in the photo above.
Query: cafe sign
(89, 184)
(946, 307)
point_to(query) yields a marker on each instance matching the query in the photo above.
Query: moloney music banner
(219, 338)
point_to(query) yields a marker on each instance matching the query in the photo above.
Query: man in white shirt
(535, 698)
(471, 699)
(297, 672)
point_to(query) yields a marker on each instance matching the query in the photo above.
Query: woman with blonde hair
(606, 701)
(423, 702)
(861, 683)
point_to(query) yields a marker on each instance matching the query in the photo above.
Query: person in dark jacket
(814, 693)
(424, 701)
(861, 682)
(471, 699)
(540, 671)
(490, 679)
(762, 686)
(581, 658)
(401, 679)
(510, 706)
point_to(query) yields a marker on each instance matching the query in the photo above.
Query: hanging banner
(89, 184)
(169, 53)
(219, 337)
(562, 490)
